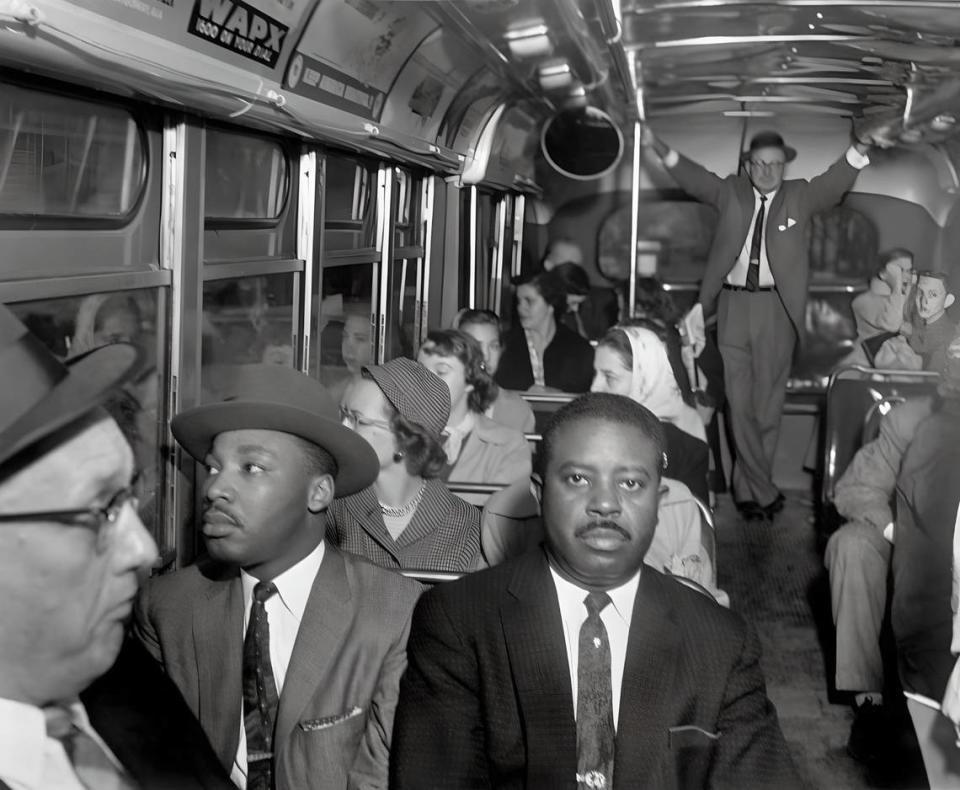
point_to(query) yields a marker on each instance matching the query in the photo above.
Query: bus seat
(876, 412)
(851, 392)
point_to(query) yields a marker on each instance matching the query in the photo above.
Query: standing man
(569, 666)
(288, 651)
(756, 274)
(72, 549)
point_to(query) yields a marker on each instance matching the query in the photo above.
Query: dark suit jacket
(567, 362)
(796, 200)
(486, 699)
(339, 694)
(443, 534)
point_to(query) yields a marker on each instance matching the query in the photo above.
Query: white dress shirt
(284, 613)
(616, 617)
(738, 274)
(29, 759)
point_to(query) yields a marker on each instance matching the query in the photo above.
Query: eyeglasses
(96, 519)
(354, 419)
(754, 163)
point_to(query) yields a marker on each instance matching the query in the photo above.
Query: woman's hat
(278, 398)
(769, 139)
(418, 395)
(40, 394)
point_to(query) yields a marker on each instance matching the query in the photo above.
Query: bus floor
(775, 577)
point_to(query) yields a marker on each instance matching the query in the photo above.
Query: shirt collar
(23, 735)
(293, 585)
(622, 597)
(769, 195)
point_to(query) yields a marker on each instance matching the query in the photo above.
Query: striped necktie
(756, 245)
(91, 764)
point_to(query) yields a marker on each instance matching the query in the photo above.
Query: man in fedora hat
(287, 650)
(756, 275)
(72, 548)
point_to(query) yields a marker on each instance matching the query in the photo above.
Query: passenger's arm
(693, 178)
(751, 751)
(371, 766)
(827, 189)
(438, 738)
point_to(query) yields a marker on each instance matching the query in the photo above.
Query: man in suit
(72, 547)
(288, 651)
(570, 667)
(756, 276)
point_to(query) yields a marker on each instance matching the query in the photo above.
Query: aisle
(775, 577)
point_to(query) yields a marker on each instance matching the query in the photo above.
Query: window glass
(65, 157)
(248, 320)
(407, 228)
(246, 177)
(74, 325)
(350, 204)
(402, 337)
(343, 334)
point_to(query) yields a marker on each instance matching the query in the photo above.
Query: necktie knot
(263, 591)
(596, 602)
(763, 199)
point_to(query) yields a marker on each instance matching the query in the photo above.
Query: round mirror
(582, 143)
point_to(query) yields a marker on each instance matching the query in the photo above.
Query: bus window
(346, 337)
(246, 177)
(74, 325)
(407, 226)
(402, 334)
(350, 204)
(67, 157)
(248, 320)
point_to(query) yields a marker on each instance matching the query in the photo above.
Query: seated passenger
(478, 449)
(80, 706)
(858, 560)
(934, 329)
(508, 408)
(542, 354)
(591, 310)
(306, 697)
(407, 518)
(922, 607)
(511, 524)
(632, 361)
(356, 347)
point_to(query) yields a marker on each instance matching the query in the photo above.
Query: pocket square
(790, 223)
(311, 725)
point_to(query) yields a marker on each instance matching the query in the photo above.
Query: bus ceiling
(421, 82)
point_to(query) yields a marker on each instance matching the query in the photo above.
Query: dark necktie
(93, 767)
(260, 697)
(753, 271)
(595, 732)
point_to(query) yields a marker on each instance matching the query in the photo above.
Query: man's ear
(321, 493)
(948, 301)
(536, 489)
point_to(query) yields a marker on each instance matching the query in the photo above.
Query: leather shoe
(774, 507)
(750, 510)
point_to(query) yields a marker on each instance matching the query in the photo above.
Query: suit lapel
(324, 625)
(533, 632)
(649, 687)
(218, 639)
(365, 510)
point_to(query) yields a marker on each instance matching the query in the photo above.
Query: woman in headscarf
(407, 518)
(479, 450)
(632, 361)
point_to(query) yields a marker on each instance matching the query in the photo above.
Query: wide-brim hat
(769, 139)
(419, 395)
(41, 395)
(277, 398)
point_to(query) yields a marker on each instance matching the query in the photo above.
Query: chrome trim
(80, 285)
(251, 268)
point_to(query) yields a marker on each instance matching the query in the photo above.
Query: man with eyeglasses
(288, 650)
(756, 276)
(72, 549)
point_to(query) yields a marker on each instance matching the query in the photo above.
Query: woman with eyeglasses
(407, 518)
(479, 450)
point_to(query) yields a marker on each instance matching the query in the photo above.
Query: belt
(759, 288)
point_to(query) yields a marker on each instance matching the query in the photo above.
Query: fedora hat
(278, 398)
(769, 139)
(40, 394)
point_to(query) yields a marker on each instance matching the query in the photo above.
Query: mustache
(593, 526)
(216, 513)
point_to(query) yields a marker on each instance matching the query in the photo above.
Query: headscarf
(652, 383)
